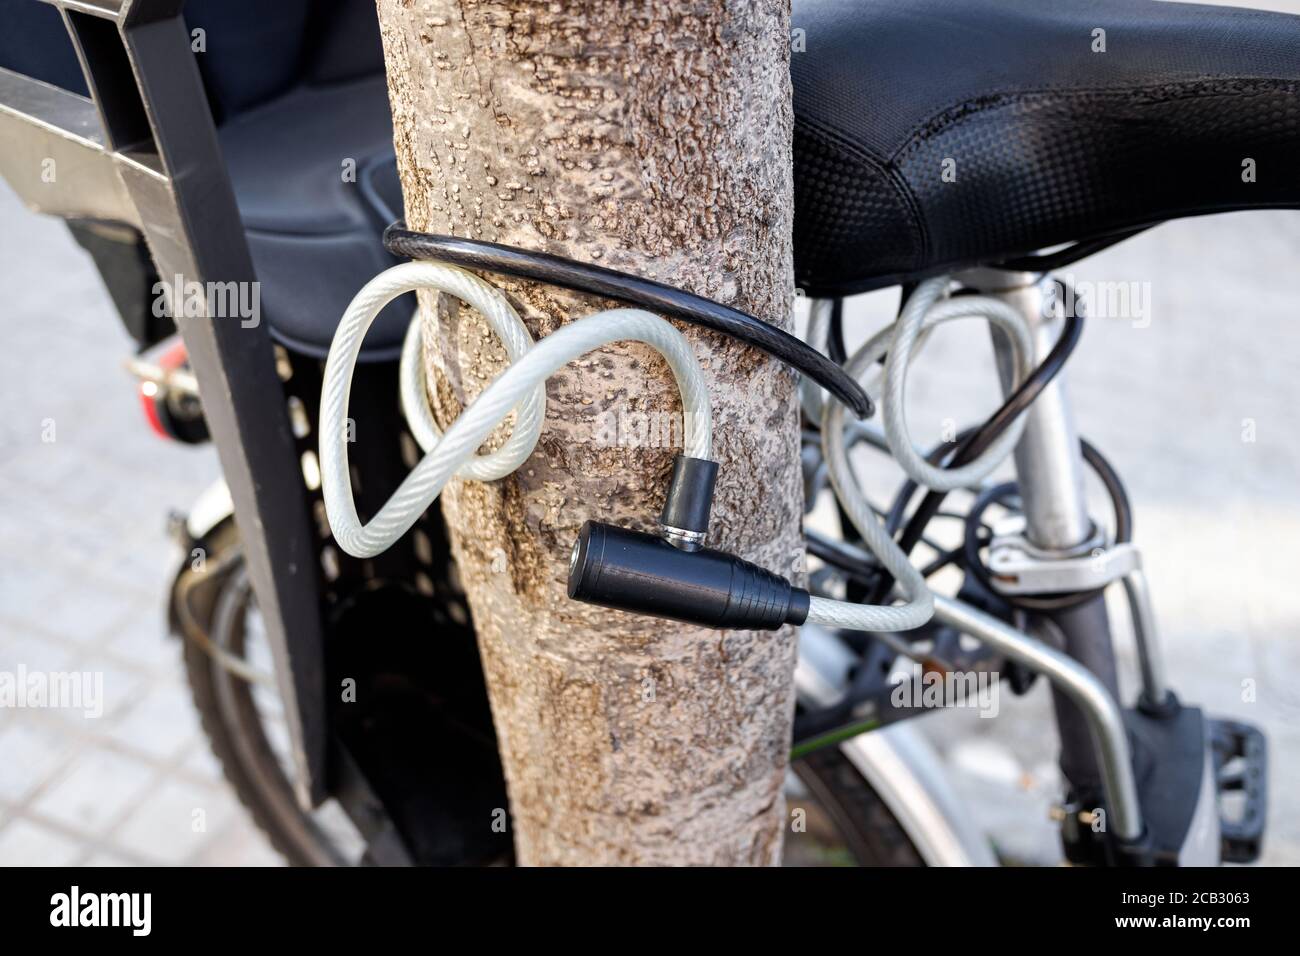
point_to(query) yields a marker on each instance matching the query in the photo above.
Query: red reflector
(151, 411)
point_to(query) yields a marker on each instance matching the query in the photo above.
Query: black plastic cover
(639, 572)
(690, 494)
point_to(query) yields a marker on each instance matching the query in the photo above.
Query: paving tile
(26, 586)
(202, 762)
(175, 821)
(146, 562)
(143, 642)
(99, 788)
(30, 751)
(24, 843)
(241, 844)
(35, 652)
(83, 611)
(162, 723)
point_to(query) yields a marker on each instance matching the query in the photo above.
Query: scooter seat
(316, 183)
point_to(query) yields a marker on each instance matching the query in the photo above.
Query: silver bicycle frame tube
(823, 666)
(1154, 685)
(1081, 685)
(1050, 469)
(1047, 455)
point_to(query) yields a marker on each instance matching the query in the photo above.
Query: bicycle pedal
(1241, 766)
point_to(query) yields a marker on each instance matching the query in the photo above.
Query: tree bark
(652, 138)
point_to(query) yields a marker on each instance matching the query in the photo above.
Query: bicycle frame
(1095, 757)
(1095, 752)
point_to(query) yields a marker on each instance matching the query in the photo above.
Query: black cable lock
(634, 290)
(685, 519)
(672, 575)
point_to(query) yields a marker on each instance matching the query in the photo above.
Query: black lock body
(639, 572)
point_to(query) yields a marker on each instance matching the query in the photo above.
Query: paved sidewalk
(84, 570)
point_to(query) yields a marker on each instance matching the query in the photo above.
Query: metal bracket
(1017, 566)
(1081, 686)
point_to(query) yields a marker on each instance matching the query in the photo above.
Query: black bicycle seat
(316, 182)
(301, 103)
(932, 135)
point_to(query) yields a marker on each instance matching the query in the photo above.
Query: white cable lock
(895, 343)
(519, 387)
(925, 310)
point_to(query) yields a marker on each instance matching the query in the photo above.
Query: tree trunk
(652, 138)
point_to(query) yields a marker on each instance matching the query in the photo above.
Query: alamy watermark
(1129, 300)
(976, 690)
(215, 300)
(53, 690)
(133, 911)
(624, 428)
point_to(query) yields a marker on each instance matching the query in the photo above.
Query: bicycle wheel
(243, 721)
(837, 819)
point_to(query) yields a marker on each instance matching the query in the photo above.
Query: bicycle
(1030, 111)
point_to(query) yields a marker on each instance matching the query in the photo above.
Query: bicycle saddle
(932, 135)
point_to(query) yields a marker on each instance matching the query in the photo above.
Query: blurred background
(1193, 401)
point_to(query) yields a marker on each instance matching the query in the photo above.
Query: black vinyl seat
(316, 182)
(1045, 139)
(298, 93)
